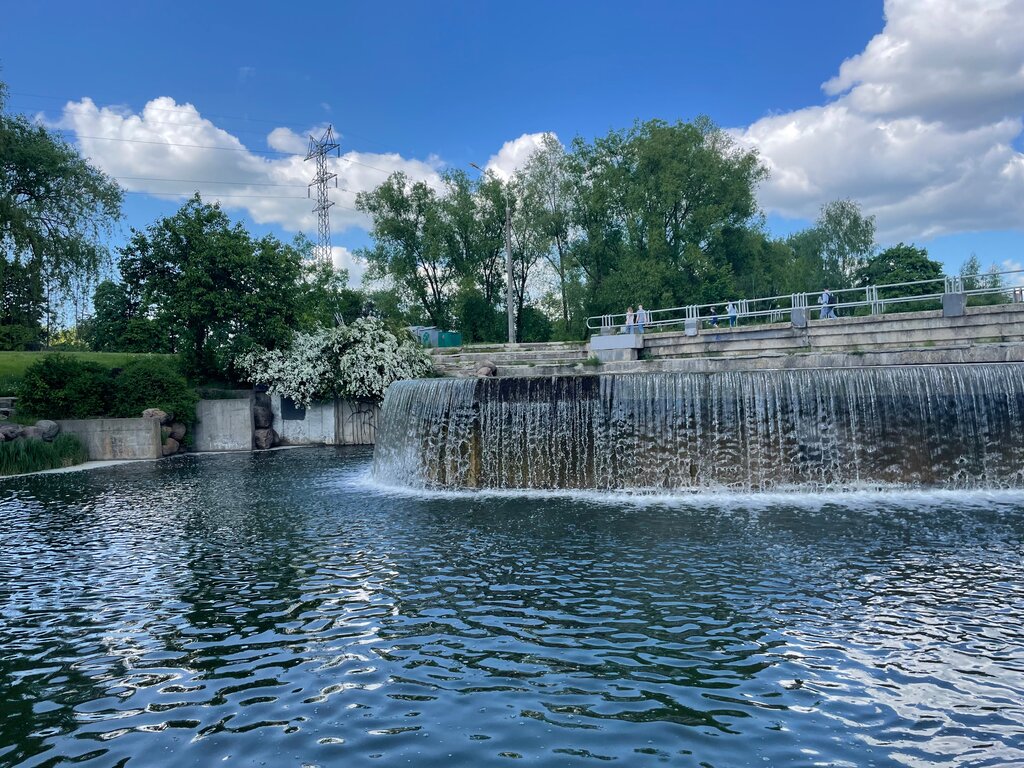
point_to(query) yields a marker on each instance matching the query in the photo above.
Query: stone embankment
(992, 334)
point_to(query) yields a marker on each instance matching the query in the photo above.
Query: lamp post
(508, 259)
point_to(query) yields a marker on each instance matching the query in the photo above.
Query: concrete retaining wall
(356, 423)
(339, 422)
(108, 439)
(224, 425)
(303, 426)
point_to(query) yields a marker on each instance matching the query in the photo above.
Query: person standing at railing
(827, 301)
(630, 321)
(714, 317)
(732, 312)
(641, 318)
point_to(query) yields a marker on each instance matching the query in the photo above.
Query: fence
(876, 298)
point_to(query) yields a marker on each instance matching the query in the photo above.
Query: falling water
(921, 426)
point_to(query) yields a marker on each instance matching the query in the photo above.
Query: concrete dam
(927, 426)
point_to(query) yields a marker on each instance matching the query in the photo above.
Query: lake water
(279, 609)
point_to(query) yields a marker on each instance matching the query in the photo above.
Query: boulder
(177, 430)
(265, 438)
(48, 429)
(11, 431)
(156, 413)
(262, 416)
(171, 446)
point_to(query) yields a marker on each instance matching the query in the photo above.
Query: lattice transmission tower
(319, 149)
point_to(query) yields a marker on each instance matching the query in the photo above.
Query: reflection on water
(278, 609)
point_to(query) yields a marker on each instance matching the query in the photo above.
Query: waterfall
(920, 426)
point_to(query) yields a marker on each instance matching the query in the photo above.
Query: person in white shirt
(641, 318)
(732, 312)
(630, 320)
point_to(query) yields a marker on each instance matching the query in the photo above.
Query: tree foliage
(210, 288)
(55, 209)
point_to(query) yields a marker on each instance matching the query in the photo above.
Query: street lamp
(508, 257)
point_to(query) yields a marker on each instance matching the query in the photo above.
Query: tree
(992, 281)
(213, 289)
(654, 201)
(546, 179)
(54, 210)
(846, 239)
(119, 324)
(411, 245)
(902, 264)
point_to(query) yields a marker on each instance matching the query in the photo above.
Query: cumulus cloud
(513, 154)
(921, 129)
(170, 150)
(343, 258)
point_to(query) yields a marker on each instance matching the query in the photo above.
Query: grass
(13, 364)
(26, 455)
(593, 360)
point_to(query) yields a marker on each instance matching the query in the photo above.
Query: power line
(172, 193)
(238, 183)
(298, 127)
(210, 146)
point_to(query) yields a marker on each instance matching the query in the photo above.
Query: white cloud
(174, 142)
(922, 128)
(514, 154)
(343, 258)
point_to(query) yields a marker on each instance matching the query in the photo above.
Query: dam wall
(916, 426)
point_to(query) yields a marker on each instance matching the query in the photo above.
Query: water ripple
(278, 609)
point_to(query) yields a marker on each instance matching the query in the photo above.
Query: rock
(156, 413)
(48, 429)
(262, 416)
(11, 431)
(32, 433)
(265, 438)
(177, 430)
(171, 446)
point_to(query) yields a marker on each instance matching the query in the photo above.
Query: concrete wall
(339, 422)
(108, 439)
(356, 423)
(224, 425)
(303, 426)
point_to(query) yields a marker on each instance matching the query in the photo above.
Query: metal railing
(776, 309)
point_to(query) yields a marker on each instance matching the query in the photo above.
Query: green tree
(118, 323)
(649, 206)
(412, 245)
(213, 289)
(901, 263)
(55, 209)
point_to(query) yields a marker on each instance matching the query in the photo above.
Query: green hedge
(18, 457)
(63, 387)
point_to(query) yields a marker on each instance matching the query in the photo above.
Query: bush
(61, 387)
(20, 456)
(153, 383)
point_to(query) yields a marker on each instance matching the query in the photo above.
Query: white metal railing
(774, 309)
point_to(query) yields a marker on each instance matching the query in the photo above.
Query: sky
(913, 108)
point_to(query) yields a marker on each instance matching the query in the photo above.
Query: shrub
(20, 456)
(61, 387)
(153, 383)
(357, 362)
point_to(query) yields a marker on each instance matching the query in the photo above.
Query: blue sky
(904, 127)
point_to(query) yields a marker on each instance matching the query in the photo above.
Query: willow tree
(55, 210)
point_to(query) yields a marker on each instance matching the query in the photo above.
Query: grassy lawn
(13, 364)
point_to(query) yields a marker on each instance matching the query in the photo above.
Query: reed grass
(18, 457)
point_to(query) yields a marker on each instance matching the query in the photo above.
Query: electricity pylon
(319, 149)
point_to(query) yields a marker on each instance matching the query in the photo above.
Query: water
(922, 426)
(281, 609)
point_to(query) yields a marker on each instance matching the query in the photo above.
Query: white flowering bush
(356, 362)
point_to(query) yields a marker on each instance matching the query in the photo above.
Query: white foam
(866, 498)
